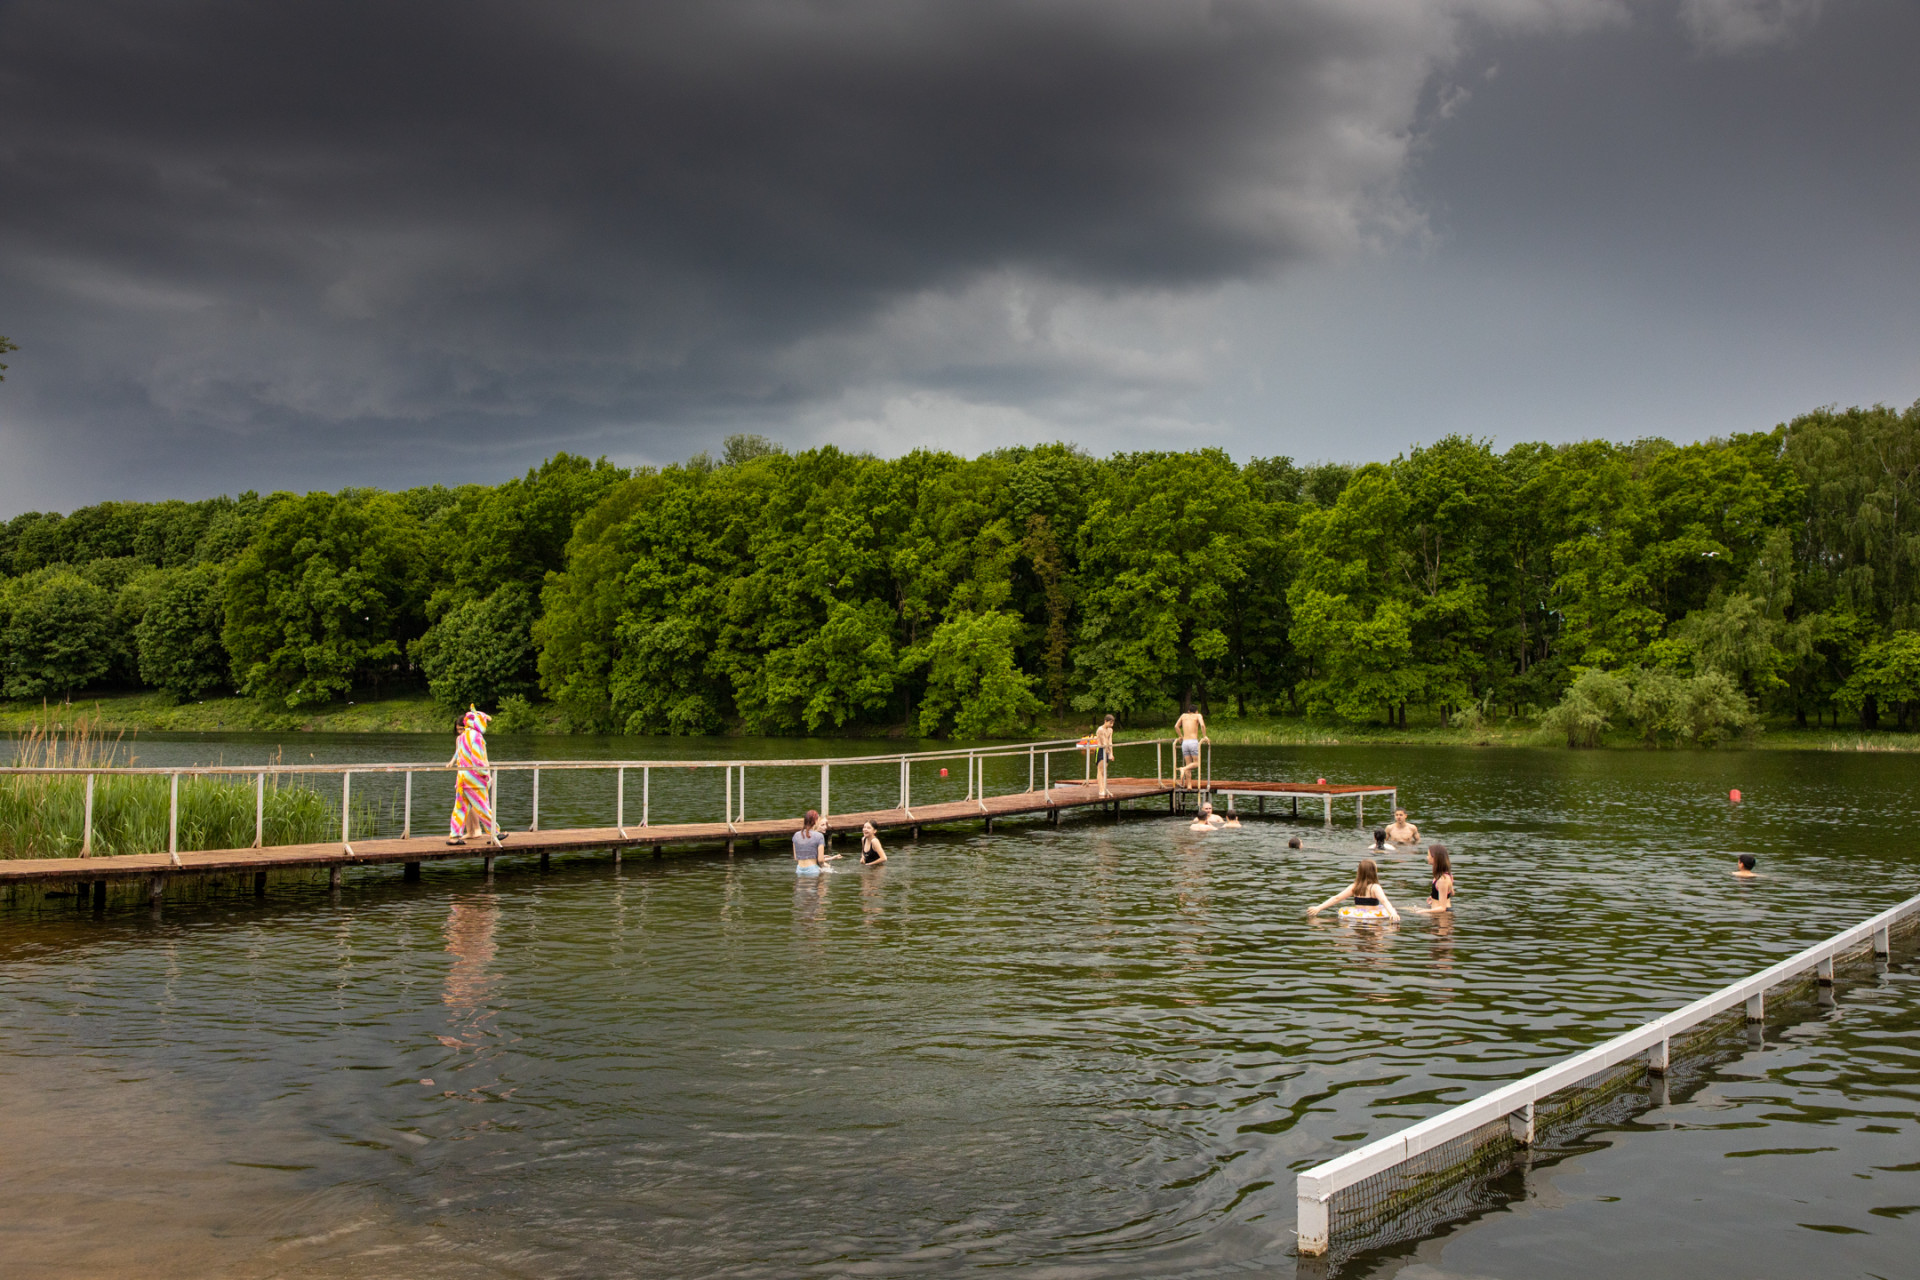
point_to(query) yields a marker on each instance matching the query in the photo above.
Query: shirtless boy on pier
(1189, 731)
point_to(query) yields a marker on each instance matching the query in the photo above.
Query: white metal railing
(1316, 1187)
(734, 806)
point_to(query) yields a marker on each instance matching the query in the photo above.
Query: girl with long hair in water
(1440, 891)
(1369, 897)
(810, 856)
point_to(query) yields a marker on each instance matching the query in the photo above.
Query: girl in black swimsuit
(871, 851)
(1440, 890)
(1366, 891)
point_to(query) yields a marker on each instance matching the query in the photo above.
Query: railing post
(406, 813)
(1823, 972)
(260, 809)
(1520, 1124)
(173, 820)
(1659, 1058)
(1029, 768)
(1046, 775)
(346, 805)
(1159, 774)
(620, 801)
(1882, 942)
(743, 793)
(646, 795)
(86, 834)
(727, 770)
(1757, 1007)
(1311, 1224)
(825, 795)
(1360, 811)
(536, 799)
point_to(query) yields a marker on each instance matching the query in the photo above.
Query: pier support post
(333, 878)
(1823, 972)
(1520, 1124)
(1329, 802)
(656, 853)
(259, 884)
(489, 867)
(546, 861)
(157, 888)
(1659, 1058)
(410, 871)
(1360, 811)
(616, 855)
(1882, 942)
(916, 831)
(1757, 1007)
(99, 895)
(1311, 1226)
(989, 824)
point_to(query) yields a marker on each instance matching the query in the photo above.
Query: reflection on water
(1097, 1049)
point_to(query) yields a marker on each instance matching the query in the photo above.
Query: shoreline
(135, 713)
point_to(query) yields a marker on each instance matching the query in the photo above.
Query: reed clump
(44, 815)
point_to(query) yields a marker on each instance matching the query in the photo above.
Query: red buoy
(1322, 782)
(1734, 795)
(943, 773)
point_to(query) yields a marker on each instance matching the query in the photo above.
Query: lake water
(1100, 1049)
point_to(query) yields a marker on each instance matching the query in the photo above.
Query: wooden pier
(1044, 798)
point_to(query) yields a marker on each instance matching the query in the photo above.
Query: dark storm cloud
(304, 244)
(484, 221)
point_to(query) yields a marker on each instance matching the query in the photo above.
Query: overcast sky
(299, 245)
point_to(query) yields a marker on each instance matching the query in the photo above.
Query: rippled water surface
(1097, 1049)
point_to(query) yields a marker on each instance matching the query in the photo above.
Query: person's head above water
(866, 829)
(1439, 860)
(1293, 842)
(811, 821)
(1367, 877)
(1379, 837)
(1206, 811)
(1399, 815)
(1746, 861)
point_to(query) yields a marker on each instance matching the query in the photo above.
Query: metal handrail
(976, 758)
(1316, 1187)
(187, 771)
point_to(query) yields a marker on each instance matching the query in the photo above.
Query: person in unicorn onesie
(472, 796)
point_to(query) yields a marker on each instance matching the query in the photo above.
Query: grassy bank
(45, 816)
(138, 712)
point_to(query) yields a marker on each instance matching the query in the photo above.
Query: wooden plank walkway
(336, 856)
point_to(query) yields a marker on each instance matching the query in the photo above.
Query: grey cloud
(1743, 26)
(306, 244)
(319, 228)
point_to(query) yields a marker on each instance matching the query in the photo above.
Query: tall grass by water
(44, 815)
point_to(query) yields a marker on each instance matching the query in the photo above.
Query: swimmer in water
(1400, 831)
(1743, 868)
(1380, 844)
(1207, 820)
(1293, 842)
(1369, 896)
(1232, 822)
(810, 856)
(872, 853)
(1440, 890)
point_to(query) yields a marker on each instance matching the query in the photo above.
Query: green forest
(1678, 592)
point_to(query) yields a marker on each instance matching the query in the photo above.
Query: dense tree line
(1678, 589)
